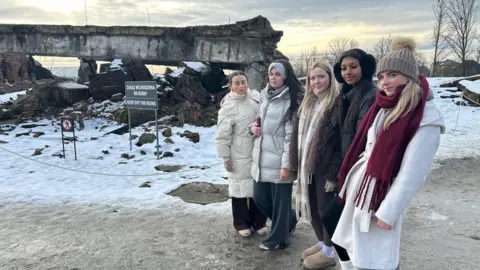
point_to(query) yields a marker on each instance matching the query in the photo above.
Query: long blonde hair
(409, 99)
(332, 90)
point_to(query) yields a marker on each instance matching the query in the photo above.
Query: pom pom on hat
(403, 42)
(401, 59)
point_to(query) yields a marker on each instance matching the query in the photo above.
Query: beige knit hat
(400, 59)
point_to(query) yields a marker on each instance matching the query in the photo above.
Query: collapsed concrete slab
(248, 45)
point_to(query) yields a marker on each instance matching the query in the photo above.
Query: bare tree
(477, 52)
(382, 47)
(461, 29)
(307, 58)
(339, 45)
(420, 59)
(438, 34)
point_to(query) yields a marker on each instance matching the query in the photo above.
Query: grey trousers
(275, 201)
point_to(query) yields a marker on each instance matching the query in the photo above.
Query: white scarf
(308, 127)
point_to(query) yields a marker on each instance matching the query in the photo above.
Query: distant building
(450, 68)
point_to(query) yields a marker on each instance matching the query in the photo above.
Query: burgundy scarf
(387, 154)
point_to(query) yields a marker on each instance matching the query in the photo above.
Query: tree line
(455, 33)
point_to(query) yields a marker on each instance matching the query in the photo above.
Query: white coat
(233, 141)
(369, 246)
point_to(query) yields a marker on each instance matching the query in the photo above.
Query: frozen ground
(441, 233)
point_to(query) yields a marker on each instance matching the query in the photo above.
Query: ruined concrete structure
(249, 45)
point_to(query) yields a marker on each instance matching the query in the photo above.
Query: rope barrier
(99, 173)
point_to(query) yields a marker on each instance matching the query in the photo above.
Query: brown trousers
(319, 200)
(246, 214)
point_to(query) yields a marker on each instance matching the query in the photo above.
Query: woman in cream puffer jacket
(234, 146)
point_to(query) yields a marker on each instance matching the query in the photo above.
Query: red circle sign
(67, 124)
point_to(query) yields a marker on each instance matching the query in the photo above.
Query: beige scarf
(308, 125)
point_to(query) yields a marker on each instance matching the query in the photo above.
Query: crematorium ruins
(192, 92)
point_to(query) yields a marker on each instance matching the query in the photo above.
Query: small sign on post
(68, 126)
(141, 95)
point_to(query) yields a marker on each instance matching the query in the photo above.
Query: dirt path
(442, 232)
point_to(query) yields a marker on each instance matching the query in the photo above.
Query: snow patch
(198, 66)
(177, 72)
(436, 216)
(72, 85)
(116, 64)
(11, 96)
(473, 86)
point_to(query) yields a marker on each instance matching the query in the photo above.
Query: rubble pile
(192, 92)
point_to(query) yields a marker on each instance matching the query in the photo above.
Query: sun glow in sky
(62, 6)
(305, 23)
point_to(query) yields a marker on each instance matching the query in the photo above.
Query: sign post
(141, 95)
(67, 126)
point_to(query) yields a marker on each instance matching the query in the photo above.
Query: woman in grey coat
(271, 168)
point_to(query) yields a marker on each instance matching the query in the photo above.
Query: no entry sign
(67, 124)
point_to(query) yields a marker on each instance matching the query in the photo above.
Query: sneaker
(310, 251)
(264, 247)
(318, 261)
(279, 246)
(245, 233)
(262, 232)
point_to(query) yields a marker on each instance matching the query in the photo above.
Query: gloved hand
(329, 186)
(228, 165)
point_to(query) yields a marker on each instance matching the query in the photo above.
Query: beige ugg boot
(318, 261)
(310, 251)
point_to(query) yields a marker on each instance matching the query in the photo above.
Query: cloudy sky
(305, 22)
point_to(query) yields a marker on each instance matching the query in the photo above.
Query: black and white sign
(141, 95)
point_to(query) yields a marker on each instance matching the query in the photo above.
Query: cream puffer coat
(233, 141)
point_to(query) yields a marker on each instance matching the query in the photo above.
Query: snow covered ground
(108, 179)
(461, 138)
(101, 175)
(11, 96)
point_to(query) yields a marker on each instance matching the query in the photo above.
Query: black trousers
(319, 199)
(330, 219)
(275, 201)
(246, 214)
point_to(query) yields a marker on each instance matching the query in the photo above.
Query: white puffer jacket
(233, 142)
(271, 149)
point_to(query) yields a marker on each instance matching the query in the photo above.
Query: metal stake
(156, 124)
(129, 129)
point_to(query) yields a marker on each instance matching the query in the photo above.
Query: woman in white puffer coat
(234, 146)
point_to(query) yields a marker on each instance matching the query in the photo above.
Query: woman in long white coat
(388, 161)
(234, 145)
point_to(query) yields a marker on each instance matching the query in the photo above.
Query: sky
(305, 23)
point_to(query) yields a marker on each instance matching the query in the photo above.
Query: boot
(263, 231)
(310, 251)
(245, 233)
(318, 261)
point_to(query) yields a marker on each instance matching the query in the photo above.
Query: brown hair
(294, 85)
(234, 74)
